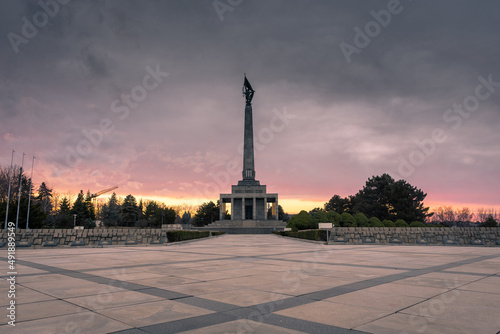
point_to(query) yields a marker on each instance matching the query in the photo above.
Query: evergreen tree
(130, 211)
(64, 218)
(206, 214)
(385, 198)
(64, 207)
(110, 212)
(90, 206)
(44, 197)
(338, 204)
(169, 216)
(81, 207)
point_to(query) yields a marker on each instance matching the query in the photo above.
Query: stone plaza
(255, 284)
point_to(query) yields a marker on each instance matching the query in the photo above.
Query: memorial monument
(248, 199)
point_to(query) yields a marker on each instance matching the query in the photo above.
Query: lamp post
(8, 192)
(20, 190)
(29, 198)
(74, 220)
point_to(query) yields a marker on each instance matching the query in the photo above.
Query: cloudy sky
(146, 95)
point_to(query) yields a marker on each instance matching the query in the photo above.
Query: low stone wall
(92, 237)
(460, 236)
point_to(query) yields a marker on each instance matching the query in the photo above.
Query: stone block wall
(459, 236)
(91, 237)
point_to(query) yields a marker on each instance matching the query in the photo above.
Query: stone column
(221, 209)
(265, 208)
(243, 208)
(232, 208)
(254, 213)
(277, 210)
(248, 153)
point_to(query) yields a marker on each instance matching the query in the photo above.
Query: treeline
(49, 209)
(449, 216)
(388, 203)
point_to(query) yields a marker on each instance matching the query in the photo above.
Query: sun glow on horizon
(289, 205)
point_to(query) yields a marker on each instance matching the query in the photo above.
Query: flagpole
(20, 189)
(8, 192)
(29, 198)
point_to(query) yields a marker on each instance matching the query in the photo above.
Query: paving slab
(153, 313)
(335, 314)
(255, 284)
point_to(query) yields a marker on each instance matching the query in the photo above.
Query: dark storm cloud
(368, 112)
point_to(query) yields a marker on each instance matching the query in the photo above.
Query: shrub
(89, 224)
(375, 222)
(388, 223)
(361, 220)
(318, 235)
(417, 224)
(400, 223)
(489, 222)
(302, 221)
(320, 216)
(347, 220)
(217, 232)
(333, 217)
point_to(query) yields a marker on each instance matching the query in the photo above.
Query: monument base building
(248, 201)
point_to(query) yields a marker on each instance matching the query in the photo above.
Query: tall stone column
(248, 152)
(248, 173)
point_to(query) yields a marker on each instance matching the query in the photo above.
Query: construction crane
(99, 193)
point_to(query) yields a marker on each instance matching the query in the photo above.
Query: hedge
(174, 236)
(318, 235)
